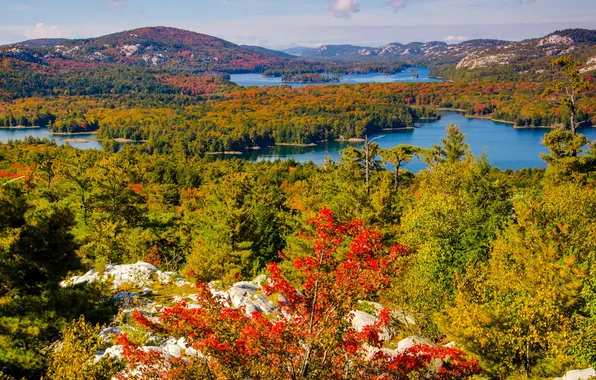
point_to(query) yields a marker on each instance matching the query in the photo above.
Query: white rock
(260, 279)
(412, 341)
(360, 320)
(262, 302)
(139, 275)
(107, 333)
(250, 308)
(174, 350)
(188, 350)
(583, 374)
(114, 352)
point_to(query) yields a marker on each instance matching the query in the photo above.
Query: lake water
(405, 76)
(506, 147)
(20, 133)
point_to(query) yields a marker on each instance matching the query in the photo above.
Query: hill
(473, 59)
(165, 47)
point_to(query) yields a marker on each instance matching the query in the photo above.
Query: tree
(399, 156)
(570, 89)
(73, 358)
(311, 338)
(452, 150)
(567, 159)
(524, 311)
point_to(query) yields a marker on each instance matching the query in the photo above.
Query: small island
(311, 78)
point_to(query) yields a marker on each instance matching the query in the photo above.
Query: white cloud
(397, 4)
(344, 8)
(454, 38)
(42, 30)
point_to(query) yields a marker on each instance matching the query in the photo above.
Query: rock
(250, 308)
(583, 374)
(240, 291)
(262, 302)
(189, 351)
(249, 286)
(138, 275)
(403, 317)
(412, 341)
(107, 333)
(114, 352)
(360, 320)
(259, 280)
(174, 350)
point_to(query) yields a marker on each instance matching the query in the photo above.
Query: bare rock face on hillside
(139, 275)
(477, 60)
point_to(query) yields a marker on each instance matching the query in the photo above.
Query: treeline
(23, 79)
(307, 78)
(234, 119)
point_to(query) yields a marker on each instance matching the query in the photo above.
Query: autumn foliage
(312, 336)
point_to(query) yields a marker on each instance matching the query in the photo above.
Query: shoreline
(295, 144)
(228, 153)
(21, 127)
(401, 129)
(123, 140)
(71, 133)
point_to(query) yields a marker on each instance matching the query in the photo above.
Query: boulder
(114, 352)
(360, 320)
(174, 350)
(412, 341)
(262, 302)
(582, 374)
(138, 275)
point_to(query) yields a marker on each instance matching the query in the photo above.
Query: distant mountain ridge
(438, 52)
(170, 48)
(165, 48)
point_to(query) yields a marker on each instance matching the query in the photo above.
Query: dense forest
(499, 262)
(231, 118)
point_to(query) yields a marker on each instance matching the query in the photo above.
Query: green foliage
(452, 150)
(74, 357)
(520, 311)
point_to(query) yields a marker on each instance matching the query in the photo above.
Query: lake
(506, 147)
(20, 133)
(404, 76)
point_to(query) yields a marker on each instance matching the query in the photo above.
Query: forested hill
(473, 59)
(438, 52)
(168, 48)
(171, 49)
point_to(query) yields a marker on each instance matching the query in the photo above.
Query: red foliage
(312, 337)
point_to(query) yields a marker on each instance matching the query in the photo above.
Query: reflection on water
(506, 147)
(405, 76)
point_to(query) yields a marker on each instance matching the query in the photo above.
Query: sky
(288, 23)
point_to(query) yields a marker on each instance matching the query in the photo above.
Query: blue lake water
(506, 147)
(20, 133)
(405, 76)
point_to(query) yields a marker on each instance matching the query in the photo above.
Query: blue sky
(285, 23)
